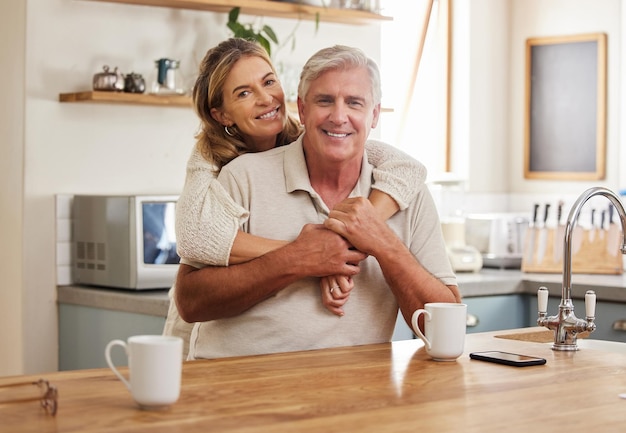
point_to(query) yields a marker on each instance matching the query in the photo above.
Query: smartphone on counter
(507, 358)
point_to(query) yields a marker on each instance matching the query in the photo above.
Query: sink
(547, 337)
(607, 346)
(535, 335)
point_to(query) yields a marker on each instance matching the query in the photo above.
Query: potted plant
(265, 36)
(247, 31)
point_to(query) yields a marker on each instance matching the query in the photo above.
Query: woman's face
(254, 102)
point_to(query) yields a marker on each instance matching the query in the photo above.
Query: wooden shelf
(147, 99)
(127, 98)
(279, 9)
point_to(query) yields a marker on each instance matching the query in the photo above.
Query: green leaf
(247, 33)
(233, 15)
(270, 33)
(236, 28)
(264, 43)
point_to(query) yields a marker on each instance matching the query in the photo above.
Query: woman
(241, 105)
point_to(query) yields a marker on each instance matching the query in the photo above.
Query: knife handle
(593, 222)
(545, 214)
(536, 209)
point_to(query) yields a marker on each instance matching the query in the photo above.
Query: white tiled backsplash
(63, 206)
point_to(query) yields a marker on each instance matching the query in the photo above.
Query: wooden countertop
(376, 388)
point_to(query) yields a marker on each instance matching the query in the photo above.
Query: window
(414, 67)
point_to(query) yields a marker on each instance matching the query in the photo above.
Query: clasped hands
(357, 221)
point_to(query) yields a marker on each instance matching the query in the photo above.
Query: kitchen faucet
(566, 325)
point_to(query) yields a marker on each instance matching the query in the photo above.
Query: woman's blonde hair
(215, 144)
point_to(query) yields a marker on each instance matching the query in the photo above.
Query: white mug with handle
(155, 368)
(444, 329)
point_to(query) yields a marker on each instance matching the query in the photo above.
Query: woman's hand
(335, 292)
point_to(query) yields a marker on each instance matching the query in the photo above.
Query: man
(271, 304)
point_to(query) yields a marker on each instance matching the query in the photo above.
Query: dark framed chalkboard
(566, 107)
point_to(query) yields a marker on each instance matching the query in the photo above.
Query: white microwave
(124, 241)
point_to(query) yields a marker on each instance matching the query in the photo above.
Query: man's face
(338, 113)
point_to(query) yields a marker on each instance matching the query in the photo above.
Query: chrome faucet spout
(569, 230)
(565, 324)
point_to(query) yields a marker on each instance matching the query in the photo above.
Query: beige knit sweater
(207, 219)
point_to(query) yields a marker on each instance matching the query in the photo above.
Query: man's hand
(322, 252)
(357, 220)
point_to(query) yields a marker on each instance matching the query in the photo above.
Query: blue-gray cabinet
(85, 331)
(494, 313)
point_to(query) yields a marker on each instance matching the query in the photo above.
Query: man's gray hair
(339, 57)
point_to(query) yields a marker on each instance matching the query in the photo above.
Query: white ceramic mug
(444, 328)
(155, 366)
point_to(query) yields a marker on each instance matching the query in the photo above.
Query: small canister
(167, 80)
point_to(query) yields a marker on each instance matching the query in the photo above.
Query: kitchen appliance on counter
(499, 237)
(124, 241)
(463, 257)
(448, 194)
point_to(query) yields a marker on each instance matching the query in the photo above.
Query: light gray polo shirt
(274, 187)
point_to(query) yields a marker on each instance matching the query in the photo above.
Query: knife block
(594, 251)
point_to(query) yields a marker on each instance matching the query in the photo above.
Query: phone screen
(507, 358)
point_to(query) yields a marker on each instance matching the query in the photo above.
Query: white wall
(536, 18)
(90, 148)
(488, 96)
(12, 42)
(488, 116)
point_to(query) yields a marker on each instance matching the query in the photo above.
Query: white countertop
(487, 282)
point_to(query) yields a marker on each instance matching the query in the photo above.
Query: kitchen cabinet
(279, 9)
(402, 331)
(85, 331)
(609, 314)
(89, 318)
(495, 313)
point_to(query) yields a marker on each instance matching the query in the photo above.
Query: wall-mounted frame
(565, 130)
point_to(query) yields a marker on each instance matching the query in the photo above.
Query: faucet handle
(542, 300)
(590, 304)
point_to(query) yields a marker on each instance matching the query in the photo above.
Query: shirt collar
(297, 175)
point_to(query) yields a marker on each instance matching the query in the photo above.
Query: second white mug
(444, 329)
(155, 367)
